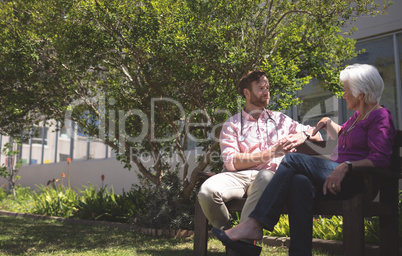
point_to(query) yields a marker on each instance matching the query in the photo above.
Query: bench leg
(353, 227)
(389, 235)
(200, 231)
(389, 224)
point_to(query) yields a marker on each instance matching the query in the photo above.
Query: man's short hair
(246, 81)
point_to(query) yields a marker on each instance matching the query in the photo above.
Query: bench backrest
(396, 159)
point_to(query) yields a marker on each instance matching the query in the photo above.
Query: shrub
(55, 201)
(21, 202)
(329, 228)
(164, 206)
(281, 228)
(3, 194)
(106, 205)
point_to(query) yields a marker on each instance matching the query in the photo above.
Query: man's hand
(278, 149)
(292, 141)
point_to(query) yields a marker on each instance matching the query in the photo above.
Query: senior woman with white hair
(364, 140)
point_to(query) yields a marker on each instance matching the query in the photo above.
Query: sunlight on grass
(24, 236)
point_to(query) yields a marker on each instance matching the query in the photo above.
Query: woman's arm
(333, 181)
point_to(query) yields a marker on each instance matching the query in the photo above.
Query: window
(63, 157)
(38, 134)
(380, 53)
(65, 133)
(317, 103)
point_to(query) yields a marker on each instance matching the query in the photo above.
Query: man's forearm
(244, 161)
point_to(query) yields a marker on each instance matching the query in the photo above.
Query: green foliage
(329, 228)
(21, 202)
(88, 203)
(150, 206)
(282, 227)
(3, 194)
(372, 229)
(104, 204)
(164, 206)
(3, 172)
(55, 201)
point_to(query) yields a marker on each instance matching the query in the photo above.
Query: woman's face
(352, 102)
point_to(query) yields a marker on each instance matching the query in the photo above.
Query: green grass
(26, 236)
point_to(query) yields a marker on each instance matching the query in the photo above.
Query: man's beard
(258, 102)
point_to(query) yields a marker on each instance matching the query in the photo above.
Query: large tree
(145, 76)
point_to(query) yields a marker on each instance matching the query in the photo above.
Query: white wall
(83, 172)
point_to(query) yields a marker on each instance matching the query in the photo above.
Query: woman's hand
(331, 127)
(321, 124)
(333, 181)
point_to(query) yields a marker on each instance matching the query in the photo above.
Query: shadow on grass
(26, 236)
(21, 236)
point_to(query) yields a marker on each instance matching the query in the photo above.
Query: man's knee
(264, 176)
(204, 194)
(208, 195)
(260, 183)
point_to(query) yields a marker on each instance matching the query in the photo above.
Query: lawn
(25, 236)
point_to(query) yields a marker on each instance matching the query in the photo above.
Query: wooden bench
(353, 210)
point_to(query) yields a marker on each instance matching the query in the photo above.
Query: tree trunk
(188, 189)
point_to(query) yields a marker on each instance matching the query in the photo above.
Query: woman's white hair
(363, 78)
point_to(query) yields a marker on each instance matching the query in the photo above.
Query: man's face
(259, 95)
